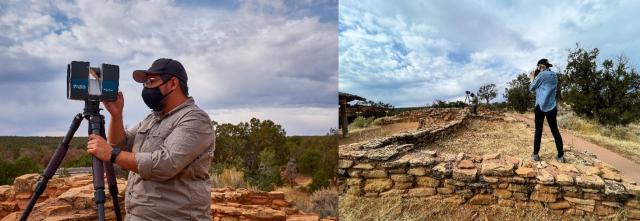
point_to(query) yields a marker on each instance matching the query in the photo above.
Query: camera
(92, 83)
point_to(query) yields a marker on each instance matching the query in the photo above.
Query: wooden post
(344, 123)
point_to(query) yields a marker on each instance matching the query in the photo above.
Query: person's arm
(116, 133)
(537, 81)
(98, 147)
(127, 160)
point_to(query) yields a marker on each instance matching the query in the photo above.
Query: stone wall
(71, 198)
(398, 166)
(389, 147)
(243, 204)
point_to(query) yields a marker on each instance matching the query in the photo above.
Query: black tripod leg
(53, 165)
(98, 169)
(113, 189)
(111, 180)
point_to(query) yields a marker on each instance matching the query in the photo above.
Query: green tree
(261, 148)
(518, 95)
(231, 141)
(240, 145)
(268, 171)
(487, 92)
(609, 94)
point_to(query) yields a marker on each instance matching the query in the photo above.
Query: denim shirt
(545, 85)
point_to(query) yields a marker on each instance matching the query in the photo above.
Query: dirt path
(626, 166)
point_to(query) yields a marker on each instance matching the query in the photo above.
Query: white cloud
(257, 55)
(439, 49)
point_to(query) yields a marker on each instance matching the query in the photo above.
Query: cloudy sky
(268, 59)
(409, 53)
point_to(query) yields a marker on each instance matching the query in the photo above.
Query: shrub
(361, 122)
(309, 162)
(268, 171)
(325, 202)
(84, 160)
(10, 170)
(290, 172)
(320, 179)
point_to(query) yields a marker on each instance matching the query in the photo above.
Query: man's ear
(175, 83)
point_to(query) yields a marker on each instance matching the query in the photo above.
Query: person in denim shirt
(545, 84)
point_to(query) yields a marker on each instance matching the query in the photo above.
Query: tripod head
(92, 114)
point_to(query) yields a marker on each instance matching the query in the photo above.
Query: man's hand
(98, 147)
(115, 107)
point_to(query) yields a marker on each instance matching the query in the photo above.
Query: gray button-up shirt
(173, 153)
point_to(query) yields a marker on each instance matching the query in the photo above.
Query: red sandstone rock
(76, 202)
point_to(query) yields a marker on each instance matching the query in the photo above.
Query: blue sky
(409, 53)
(268, 59)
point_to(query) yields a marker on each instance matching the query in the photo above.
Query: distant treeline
(21, 155)
(259, 148)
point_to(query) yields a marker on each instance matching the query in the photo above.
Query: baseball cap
(545, 62)
(162, 66)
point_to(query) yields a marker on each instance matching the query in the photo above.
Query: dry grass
(409, 209)
(325, 202)
(300, 199)
(230, 177)
(369, 133)
(509, 137)
(624, 140)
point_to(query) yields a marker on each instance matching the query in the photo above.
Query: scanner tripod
(96, 126)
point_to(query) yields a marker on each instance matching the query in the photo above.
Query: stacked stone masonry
(72, 198)
(398, 166)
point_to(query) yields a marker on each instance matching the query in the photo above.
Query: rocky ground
(71, 198)
(482, 161)
(507, 136)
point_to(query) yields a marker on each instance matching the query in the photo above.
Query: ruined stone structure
(398, 165)
(71, 198)
(243, 204)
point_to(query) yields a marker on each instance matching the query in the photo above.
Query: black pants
(553, 124)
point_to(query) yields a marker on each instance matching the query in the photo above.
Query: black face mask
(153, 97)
